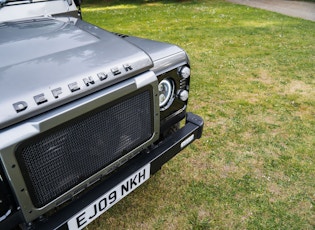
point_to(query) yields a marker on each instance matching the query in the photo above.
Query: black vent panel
(55, 161)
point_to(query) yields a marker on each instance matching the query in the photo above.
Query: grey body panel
(165, 56)
(45, 54)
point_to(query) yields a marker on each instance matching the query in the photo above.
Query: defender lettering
(20, 106)
(73, 87)
(40, 99)
(88, 81)
(56, 92)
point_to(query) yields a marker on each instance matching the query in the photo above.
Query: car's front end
(86, 117)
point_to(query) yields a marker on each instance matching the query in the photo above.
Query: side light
(183, 95)
(184, 72)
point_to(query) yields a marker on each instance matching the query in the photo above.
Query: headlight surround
(166, 90)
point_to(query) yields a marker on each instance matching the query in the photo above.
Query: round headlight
(166, 90)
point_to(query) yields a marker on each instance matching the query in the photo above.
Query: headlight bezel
(175, 110)
(179, 81)
(166, 89)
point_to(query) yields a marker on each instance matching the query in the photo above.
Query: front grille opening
(55, 161)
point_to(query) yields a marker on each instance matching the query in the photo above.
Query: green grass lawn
(253, 82)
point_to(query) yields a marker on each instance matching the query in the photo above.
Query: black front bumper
(156, 158)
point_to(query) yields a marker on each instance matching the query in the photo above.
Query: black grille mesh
(57, 160)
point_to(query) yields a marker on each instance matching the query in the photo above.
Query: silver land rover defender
(86, 115)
